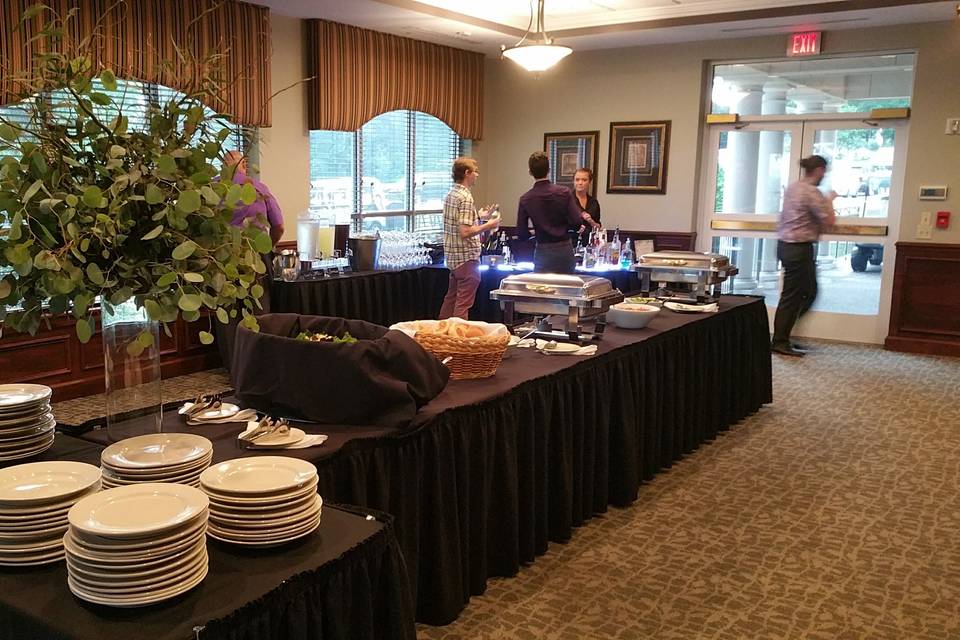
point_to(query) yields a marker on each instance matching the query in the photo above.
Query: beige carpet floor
(833, 513)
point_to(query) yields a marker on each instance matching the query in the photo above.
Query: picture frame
(638, 157)
(569, 151)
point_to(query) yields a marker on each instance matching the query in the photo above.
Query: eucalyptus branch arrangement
(92, 207)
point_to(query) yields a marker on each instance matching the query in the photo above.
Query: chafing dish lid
(555, 285)
(690, 259)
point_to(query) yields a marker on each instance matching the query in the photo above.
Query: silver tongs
(266, 426)
(204, 403)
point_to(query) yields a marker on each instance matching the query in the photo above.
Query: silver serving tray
(685, 260)
(554, 286)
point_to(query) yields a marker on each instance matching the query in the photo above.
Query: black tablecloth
(346, 580)
(381, 297)
(386, 297)
(492, 470)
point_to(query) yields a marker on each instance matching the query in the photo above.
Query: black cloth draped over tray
(346, 580)
(492, 470)
(382, 379)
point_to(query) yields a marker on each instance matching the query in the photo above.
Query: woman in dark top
(586, 202)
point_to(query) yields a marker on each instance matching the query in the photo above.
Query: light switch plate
(924, 233)
(926, 219)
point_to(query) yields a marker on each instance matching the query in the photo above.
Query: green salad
(310, 336)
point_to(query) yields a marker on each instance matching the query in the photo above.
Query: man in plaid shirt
(462, 226)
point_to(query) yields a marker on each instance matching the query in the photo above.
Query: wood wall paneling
(925, 309)
(55, 357)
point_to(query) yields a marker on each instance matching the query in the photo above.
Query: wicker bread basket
(469, 357)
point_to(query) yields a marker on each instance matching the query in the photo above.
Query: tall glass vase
(131, 357)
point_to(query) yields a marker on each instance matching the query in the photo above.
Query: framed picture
(638, 157)
(569, 152)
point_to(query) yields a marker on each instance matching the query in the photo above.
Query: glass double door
(749, 167)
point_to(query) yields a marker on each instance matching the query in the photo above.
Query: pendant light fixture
(536, 52)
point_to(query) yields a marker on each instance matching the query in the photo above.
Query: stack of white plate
(262, 501)
(133, 546)
(34, 500)
(157, 457)
(26, 422)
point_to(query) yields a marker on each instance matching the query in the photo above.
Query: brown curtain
(135, 38)
(359, 74)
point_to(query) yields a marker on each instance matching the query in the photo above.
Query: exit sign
(804, 44)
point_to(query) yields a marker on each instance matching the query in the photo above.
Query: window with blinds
(391, 174)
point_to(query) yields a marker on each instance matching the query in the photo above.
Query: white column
(740, 182)
(768, 177)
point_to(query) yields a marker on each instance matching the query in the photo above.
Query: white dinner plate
(560, 347)
(60, 507)
(158, 543)
(138, 510)
(24, 444)
(34, 450)
(40, 558)
(129, 570)
(32, 546)
(27, 433)
(177, 477)
(279, 440)
(138, 601)
(265, 543)
(45, 482)
(38, 416)
(680, 307)
(125, 559)
(261, 512)
(177, 571)
(303, 515)
(156, 450)
(14, 396)
(159, 472)
(258, 475)
(222, 412)
(265, 500)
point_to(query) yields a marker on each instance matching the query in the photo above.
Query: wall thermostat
(933, 192)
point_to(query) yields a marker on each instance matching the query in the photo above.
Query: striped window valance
(135, 38)
(359, 74)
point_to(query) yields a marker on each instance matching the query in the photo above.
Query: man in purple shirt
(553, 213)
(806, 213)
(265, 205)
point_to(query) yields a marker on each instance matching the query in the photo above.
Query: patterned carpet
(834, 513)
(80, 410)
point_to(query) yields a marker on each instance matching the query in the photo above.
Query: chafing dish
(577, 297)
(701, 273)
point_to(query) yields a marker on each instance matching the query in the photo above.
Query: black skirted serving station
(491, 471)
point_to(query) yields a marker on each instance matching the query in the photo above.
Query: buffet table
(388, 297)
(492, 470)
(345, 580)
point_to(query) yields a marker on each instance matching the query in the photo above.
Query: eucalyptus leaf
(108, 80)
(262, 242)
(248, 193)
(222, 315)
(166, 164)
(84, 330)
(188, 202)
(46, 260)
(153, 194)
(5, 289)
(16, 228)
(153, 233)
(167, 279)
(184, 250)
(189, 302)
(95, 274)
(8, 133)
(32, 191)
(92, 196)
(193, 277)
(135, 348)
(206, 337)
(153, 309)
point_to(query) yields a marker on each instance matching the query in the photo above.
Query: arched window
(391, 174)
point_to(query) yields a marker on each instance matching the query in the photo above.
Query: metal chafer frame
(704, 272)
(578, 298)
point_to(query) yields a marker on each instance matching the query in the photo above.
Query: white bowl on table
(627, 315)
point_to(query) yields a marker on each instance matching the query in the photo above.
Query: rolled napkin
(302, 440)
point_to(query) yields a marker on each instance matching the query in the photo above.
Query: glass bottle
(626, 255)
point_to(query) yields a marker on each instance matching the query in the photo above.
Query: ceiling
(602, 24)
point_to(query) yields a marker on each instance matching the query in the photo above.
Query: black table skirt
(386, 297)
(346, 580)
(381, 297)
(493, 470)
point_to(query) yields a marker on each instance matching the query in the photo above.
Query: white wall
(285, 147)
(590, 89)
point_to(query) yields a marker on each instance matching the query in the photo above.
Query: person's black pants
(554, 257)
(799, 286)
